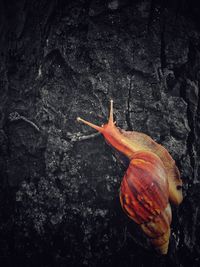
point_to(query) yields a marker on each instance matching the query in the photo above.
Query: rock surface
(63, 59)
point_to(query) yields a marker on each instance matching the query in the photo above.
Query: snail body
(150, 183)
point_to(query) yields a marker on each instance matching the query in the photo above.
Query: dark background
(59, 203)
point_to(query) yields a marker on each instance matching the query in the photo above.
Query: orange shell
(144, 198)
(144, 188)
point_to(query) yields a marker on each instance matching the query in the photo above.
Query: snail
(151, 181)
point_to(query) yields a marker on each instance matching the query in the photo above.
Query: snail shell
(144, 198)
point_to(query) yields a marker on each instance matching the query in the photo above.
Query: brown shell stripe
(147, 185)
(133, 204)
(142, 213)
(141, 206)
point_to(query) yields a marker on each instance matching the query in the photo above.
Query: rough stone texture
(63, 59)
